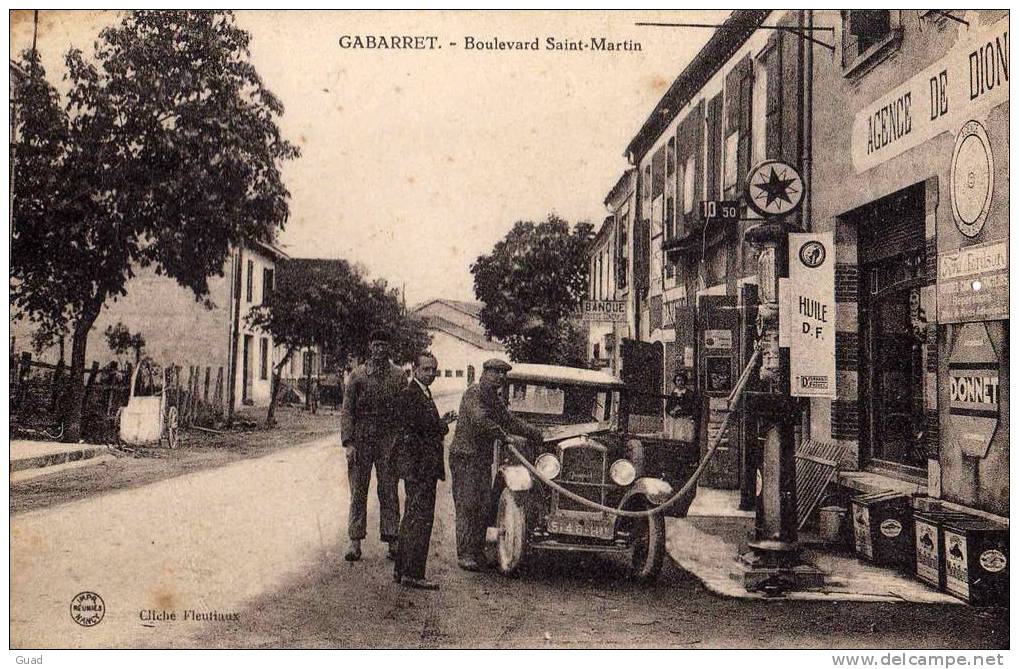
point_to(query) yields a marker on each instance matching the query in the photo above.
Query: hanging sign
(774, 188)
(973, 390)
(603, 311)
(971, 79)
(810, 309)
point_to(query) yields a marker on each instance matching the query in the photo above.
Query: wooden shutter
(714, 146)
(689, 142)
(773, 111)
(738, 94)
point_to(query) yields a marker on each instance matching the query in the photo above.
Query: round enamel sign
(972, 178)
(774, 188)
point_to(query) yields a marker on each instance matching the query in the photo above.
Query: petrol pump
(773, 564)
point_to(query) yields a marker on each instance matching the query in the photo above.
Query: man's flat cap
(378, 335)
(497, 365)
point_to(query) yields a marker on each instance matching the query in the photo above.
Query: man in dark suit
(420, 465)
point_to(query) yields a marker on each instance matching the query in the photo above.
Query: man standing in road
(420, 463)
(368, 430)
(484, 417)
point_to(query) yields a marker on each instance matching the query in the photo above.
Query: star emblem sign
(774, 188)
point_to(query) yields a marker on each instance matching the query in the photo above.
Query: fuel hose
(734, 398)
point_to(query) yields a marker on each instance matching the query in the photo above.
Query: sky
(414, 163)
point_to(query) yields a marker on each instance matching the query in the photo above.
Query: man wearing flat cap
(368, 428)
(483, 418)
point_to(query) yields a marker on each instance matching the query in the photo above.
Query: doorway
(892, 270)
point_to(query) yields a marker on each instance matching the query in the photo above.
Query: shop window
(867, 36)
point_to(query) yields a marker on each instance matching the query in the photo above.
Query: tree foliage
(165, 154)
(530, 283)
(120, 340)
(329, 304)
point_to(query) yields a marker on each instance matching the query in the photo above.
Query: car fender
(654, 489)
(517, 477)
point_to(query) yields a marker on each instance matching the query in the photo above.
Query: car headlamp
(622, 472)
(548, 465)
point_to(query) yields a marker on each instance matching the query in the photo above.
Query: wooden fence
(39, 393)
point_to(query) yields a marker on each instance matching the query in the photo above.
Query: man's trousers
(416, 527)
(365, 454)
(472, 486)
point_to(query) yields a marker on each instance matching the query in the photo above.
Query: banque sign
(970, 79)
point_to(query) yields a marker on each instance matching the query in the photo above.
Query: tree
(328, 303)
(165, 155)
(121, 341)
(530, 283)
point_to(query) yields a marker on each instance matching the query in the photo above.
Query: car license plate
(601, 528)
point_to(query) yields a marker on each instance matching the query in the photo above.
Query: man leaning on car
(483, 418)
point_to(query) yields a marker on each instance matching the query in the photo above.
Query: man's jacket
(419, 440)
(484, 418)
(369, 401)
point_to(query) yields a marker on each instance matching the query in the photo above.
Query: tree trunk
(76, 382)
(270, 417)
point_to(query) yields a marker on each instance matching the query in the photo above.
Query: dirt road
(253, 551)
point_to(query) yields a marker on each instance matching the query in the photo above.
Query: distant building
(215, 340)
(458, 341)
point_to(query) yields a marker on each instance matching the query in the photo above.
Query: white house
(458, 342)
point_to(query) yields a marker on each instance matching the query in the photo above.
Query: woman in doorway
(682, 409)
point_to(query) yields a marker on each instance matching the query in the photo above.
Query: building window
(449, 373)
(459, 373)
(867, 35)
(688, 186)
(263, 368)
(268, 283)
(730, 172)
(670, 229)
(647, 181)
(251, 281)
(670, 157)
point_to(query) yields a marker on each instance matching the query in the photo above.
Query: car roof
(525, 371)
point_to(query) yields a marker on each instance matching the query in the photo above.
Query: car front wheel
(648, 546)
(511, 544)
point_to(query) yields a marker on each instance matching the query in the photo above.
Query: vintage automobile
(588, 450)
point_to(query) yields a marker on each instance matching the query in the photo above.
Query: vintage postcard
(510, 330)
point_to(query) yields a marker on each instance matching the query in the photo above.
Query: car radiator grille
(583, 473)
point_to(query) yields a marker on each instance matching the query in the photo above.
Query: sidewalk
(30, 459)
(708, 542)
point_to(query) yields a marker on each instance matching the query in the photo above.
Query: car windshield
(562, 404)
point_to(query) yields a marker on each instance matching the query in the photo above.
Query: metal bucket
(830, 522)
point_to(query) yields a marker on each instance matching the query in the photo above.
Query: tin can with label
(882, 528)
(976, 561)
(929, 542)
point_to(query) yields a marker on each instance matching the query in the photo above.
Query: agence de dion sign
(971, 79)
